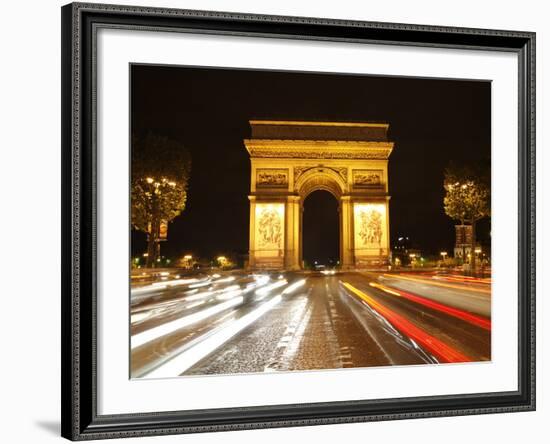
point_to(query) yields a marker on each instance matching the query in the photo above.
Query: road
(238, 322)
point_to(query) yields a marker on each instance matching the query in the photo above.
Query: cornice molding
(318, 149)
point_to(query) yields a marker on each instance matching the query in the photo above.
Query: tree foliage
(467, 197)
(161, 169)
(467, 193)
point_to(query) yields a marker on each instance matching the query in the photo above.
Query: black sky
(432, 122)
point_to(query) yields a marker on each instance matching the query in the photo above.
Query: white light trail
(169, 327)
(194, 304)
(227, 279)
(201, 284)
(190, 357)
(197, 296)
(261, 280)
(145, 289)
(266, 290)
(139, 317)
(294, 286)
(174, 282)
(156, 286)
(228, 295)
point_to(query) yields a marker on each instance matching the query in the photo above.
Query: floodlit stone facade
(290, 160)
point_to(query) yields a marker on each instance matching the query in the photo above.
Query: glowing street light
(222, 261)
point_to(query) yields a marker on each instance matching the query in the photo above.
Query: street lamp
(187, 260)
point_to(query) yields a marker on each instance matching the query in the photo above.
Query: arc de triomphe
(290, 160)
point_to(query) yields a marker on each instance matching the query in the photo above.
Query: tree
(467, 198)
(161, 169)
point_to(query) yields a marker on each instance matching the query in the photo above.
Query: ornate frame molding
(80, 420)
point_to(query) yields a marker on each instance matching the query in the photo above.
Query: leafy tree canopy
(467, 192)
(161, 168)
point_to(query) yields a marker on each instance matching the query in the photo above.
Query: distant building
(403, 252)
(463, 245)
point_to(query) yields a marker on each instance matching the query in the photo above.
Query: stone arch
(290, 160)
(320, 178)
(314, 179)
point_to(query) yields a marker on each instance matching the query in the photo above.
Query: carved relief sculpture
(272, 178)
(370, 229)
(270, 229)
(367, 178)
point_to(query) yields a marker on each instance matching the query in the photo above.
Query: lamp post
(157, 191)
(222, 261)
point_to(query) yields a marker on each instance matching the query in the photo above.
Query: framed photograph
(281, 221)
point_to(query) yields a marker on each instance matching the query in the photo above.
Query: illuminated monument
(290, 160)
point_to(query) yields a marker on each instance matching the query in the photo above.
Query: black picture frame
(79, 171)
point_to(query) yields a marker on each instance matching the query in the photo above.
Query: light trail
(169, 327)
(439, 349)
(156, 286)
(294, 286)
(266, 290)
(464, 279)
(384, 288)
(138, 317)
(227, 279)
(190, 357)
(174, 282)
(455, 312)
(438, 284)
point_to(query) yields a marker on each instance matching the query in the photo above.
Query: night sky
(432, 122)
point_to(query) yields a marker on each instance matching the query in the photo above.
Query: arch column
(252, 231)
(346, 231)
(293, 216)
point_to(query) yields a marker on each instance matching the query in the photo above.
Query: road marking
(292, 338)
(438, 348)
(439, 284)
(185, 360)
(170, 327)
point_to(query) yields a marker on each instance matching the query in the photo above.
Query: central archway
(312, 184)
(320, 230)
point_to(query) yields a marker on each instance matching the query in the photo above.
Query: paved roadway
(239, 323)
